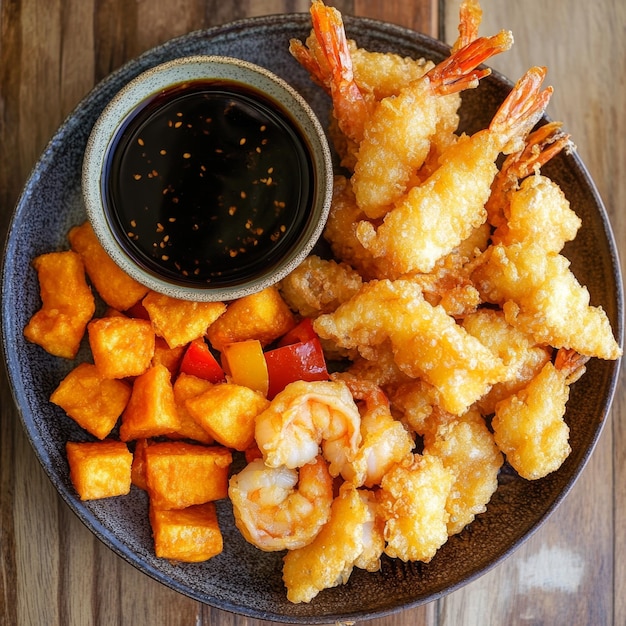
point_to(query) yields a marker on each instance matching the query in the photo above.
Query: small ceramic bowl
(207, 178)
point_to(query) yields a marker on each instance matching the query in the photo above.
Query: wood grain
(53, 571)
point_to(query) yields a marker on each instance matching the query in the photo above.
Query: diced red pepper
(303, 360)
(199, 361)
(299, 334)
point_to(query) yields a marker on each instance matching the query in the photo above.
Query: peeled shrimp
(433, 218)
(280, 508)
(529, 426)
(306, 416)
(351, 537)
(399, 132)
(385, 441)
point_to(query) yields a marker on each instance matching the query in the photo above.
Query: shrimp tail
(460, 70)
(470, 17)
(542, 145)
(521, 109)
(571, 364)
(310, 63)
(328, 60)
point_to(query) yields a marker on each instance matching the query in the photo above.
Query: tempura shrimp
(466, 447)
(413, 498)
(319, 286)
(340, 231)
(541, 296)
(385, 441)
(433, 218)
(306, 416)
(281, 508)
(522, 356)
(426, 342)
(529, 426)
(536, 209)
(400, 130)
(470, 17)
(328, 60)
(352, 537)
(541, 145)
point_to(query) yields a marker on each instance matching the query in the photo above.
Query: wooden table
(53, 571)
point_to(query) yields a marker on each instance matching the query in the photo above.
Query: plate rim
(56, 143)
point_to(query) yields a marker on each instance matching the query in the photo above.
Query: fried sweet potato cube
(181, 474)
(185, 387)
(228, 412)
(121, 346)
(100, 469)
(170, 357)
(67, 304)
(151, 410)
(264, 316)
(190, 535)
(95, 403)
(180, 321)
(138, 468)
(115, 287)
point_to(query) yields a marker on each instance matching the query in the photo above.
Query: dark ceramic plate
(243, 579)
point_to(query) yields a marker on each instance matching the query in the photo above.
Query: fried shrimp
(541, 145)
(319, 286)
(540, 295)
(535, 209)
(433, 218)
(306, 416)
(351, 534)
(328, 60)
(384, 440)
(340, 231)
(466, 447)
(426, 342)
(280, 508)
(529, 426)
(399, 133)
(413, 498)
(520, 353)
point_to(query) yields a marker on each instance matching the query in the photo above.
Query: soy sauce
(209, 183)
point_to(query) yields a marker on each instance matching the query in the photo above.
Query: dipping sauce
(208, 183)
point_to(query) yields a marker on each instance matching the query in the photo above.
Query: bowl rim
(152, 81)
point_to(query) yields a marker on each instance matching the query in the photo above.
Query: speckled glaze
(157, 79)
(243, 579)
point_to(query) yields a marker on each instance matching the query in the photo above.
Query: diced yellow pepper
(244, 362)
